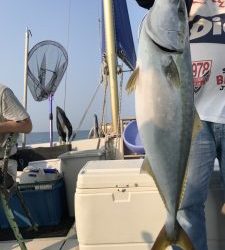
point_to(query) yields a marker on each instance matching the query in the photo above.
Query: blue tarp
(124, 39)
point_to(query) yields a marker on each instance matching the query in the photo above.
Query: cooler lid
(82, 153)
(114, 173)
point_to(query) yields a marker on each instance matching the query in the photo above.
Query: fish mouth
(165, 49)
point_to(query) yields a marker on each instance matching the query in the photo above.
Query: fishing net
(47, 63)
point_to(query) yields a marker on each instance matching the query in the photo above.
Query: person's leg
(191, 215)
(11, 173)
(221, 159)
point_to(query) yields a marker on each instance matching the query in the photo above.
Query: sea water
(43, 137)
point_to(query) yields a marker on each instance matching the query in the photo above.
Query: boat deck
(54, 243)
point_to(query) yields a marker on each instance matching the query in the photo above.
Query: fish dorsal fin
(131, 84)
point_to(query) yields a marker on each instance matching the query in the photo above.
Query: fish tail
(162, 241)
(182, 240)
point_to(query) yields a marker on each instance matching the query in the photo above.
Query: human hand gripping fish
(165, 109)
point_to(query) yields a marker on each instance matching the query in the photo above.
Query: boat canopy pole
(51, 119)
(26, 50)
(111, 61)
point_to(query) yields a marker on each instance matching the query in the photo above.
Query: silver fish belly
(164, 103)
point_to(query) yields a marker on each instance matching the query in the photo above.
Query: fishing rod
(5, 194)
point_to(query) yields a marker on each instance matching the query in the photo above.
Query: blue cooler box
(45, 200)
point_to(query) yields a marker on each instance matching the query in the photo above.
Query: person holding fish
(13, 119)
(165, 78)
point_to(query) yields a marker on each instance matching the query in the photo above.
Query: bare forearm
(24, 126)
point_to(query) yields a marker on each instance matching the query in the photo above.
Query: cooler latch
(121, 194)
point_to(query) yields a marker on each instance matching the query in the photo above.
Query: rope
(104, 104)
(95, 93)
(121, 92)
(4, 195)
(104, 75)
(120, 71)
(85, 112)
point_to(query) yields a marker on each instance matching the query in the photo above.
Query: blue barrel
(132, 139)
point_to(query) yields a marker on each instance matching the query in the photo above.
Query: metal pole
(51, 119)
(112, 61)
(26, 50)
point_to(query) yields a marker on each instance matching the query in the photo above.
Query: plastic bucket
(132, 139)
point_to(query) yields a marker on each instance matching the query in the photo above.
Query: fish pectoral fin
(131, 84)
(172, 73)
(182, 240)
(197, 125)
(146, 167)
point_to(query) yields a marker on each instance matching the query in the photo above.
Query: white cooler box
(117, 206)
(71, 164)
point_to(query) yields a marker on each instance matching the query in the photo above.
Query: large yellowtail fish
(165, 107)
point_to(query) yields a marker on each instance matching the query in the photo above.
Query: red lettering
(201, 70)
(219, 79)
